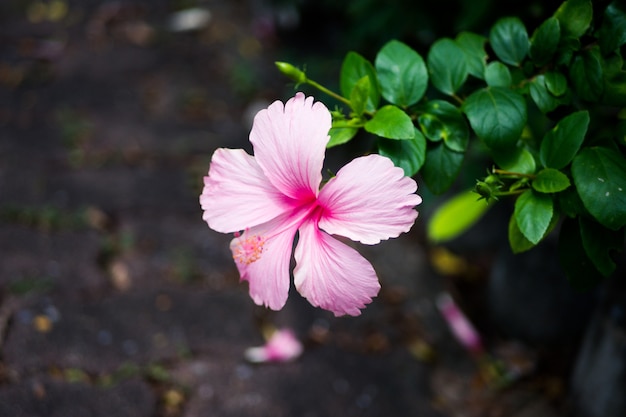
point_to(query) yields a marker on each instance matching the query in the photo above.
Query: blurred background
(117, 300)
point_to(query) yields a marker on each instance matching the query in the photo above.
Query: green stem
(329, 92)
(513, 174)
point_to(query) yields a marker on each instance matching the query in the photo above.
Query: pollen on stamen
(248, 249)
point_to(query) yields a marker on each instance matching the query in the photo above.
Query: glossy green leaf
(612, 32)
(556, 83)
(550, 180)
(441, 120)
(545, 101)
(509, 40)
(580, 270)
(353, 69)
(517, 240)
(574, 17)
(587, 75)
(599, 242)
(498, 75)
(441, 167)
(341, 135)
(360, 95)
(562, 142)
(544, 42)
(455, 216)
(402, 74)
(447, 66)
(497, 115)
(407, 154)
(533, 213)
(600, 177)
(473, 47)
(392, 123)
(514, 160)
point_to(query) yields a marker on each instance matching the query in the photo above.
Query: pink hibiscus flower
(276, 193)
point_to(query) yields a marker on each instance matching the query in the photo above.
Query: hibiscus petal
(369, 200)
(289, 144)
(237, 195)
(262, 256)
(332, 275)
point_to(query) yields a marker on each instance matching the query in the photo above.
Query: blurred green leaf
(570, 203)
(353, 69)
(612, 32)
(497, 115)
(447, 66)
(441, 167)
(556, 83)
(402, 74)
(574, 17)
(544, 100)
(392, 123)
(600, 177)
(341, 135)
(533, 213)
(544, 42)
(587, 75)
(599, 242)
(473, 47)
(562, 142)
(498, 75)
(509, 40)
(442, 120)
(407, 154)
(455, 216)
(360, 95)
(579, 269)
(550, 180)
(517, 240)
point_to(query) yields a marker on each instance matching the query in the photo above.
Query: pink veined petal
(237, 195)
(332, 275)
(289, 144)
(262, 255)
(369, 200)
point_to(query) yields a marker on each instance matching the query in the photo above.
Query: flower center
(248, 249)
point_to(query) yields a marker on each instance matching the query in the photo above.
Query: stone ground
(117, 300)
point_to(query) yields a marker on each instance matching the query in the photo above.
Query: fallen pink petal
(460, 326)
(282, 346)
(268, 199)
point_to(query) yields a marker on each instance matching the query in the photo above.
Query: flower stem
(327, 91)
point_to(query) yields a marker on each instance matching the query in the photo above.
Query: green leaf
(509, 40)
(556, 83)
(497, 115)
(353, 69)
(473, 47)
(443, 121)
(360, 95)
(533, 213)
(544, 42)
(587, 75)
(545, 101)
(570, 203)
(562, 142)
(579, 269)
(392, 123)
(612, 32)
(341, 135)
(517, 240)
(574, 17)
(514, 160)
(407, 154)
(599, 242)
(402, 74)
(498, 75)
(600, 177)
(447, 66)
(455, 216)
(441, 167)
(550, 180)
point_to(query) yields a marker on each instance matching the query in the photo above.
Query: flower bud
(292, 72)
